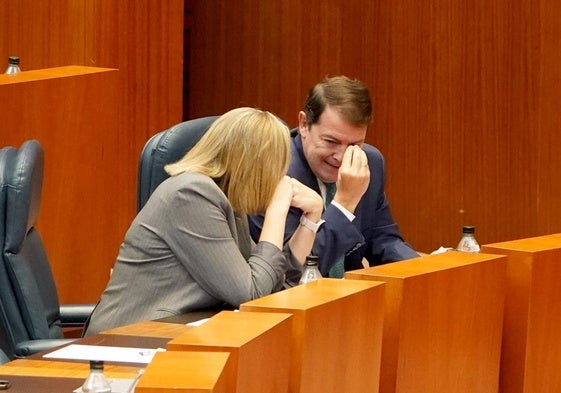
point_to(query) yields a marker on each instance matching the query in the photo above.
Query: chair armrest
(3, 357)
(30, 347)
(75, 315)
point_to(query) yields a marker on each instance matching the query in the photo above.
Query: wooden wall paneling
(464, 98)
(143, 39)
(50, 34)
(449, 132)
(548, 117)
(464, 93)
(81, 165)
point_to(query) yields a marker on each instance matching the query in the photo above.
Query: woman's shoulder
(192, 184)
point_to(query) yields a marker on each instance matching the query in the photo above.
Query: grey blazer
(187, 250)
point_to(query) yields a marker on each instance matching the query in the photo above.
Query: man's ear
(302, 123)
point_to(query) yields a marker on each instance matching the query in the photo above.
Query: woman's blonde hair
(246, 151)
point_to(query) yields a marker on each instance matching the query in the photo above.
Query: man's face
(325, 142)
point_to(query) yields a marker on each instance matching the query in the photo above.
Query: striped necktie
(338, 270)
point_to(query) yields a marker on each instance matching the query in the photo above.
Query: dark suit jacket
(373, 234)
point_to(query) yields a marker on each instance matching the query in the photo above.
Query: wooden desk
(531, 349)
(443, 322)
(336, 335)
(26, 384)
(37, 365)
(37, 374)
(164, 373)
(61, 368)
(258, 343)
(48, 376)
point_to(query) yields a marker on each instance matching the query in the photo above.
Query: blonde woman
(189, 248)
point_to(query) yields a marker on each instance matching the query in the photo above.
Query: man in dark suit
(329, 155)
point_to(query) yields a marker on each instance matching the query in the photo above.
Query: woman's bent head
(246, 151)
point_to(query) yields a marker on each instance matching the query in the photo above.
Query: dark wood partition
(465, 97)
(92, 127)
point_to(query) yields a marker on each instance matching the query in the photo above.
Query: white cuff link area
(312, 226)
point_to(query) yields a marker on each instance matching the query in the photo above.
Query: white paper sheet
(105, 353)
(198, 323)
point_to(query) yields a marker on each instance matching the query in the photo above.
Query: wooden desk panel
(183, 372)
(27, 384)
(443, 321)
(258, 343)
(337, 334)
(55, 368)
(531, 349)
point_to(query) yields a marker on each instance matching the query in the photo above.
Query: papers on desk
(202, 321)
(105, 353)
(198, 323)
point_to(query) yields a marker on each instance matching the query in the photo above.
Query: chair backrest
(24, 256)
(7, 340)
(166, 147)
(8, 306)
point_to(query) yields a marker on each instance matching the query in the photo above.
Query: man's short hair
(350, 97)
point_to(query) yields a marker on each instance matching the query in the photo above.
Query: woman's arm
(311, 204)
(290, 192)
(275, 215)
(203, 233)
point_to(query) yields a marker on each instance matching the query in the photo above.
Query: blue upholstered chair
(31, 316)
(163, 148)
(6, 338)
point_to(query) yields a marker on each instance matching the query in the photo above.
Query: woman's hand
(307, 200)
(282, 196)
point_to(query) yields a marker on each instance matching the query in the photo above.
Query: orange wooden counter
(258, 344)
(531, 352)
(186, 372)
(337, 334)
(443, 322)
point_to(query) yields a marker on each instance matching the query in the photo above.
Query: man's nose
(339, 152)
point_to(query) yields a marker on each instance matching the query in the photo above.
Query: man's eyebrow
(335, 139)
